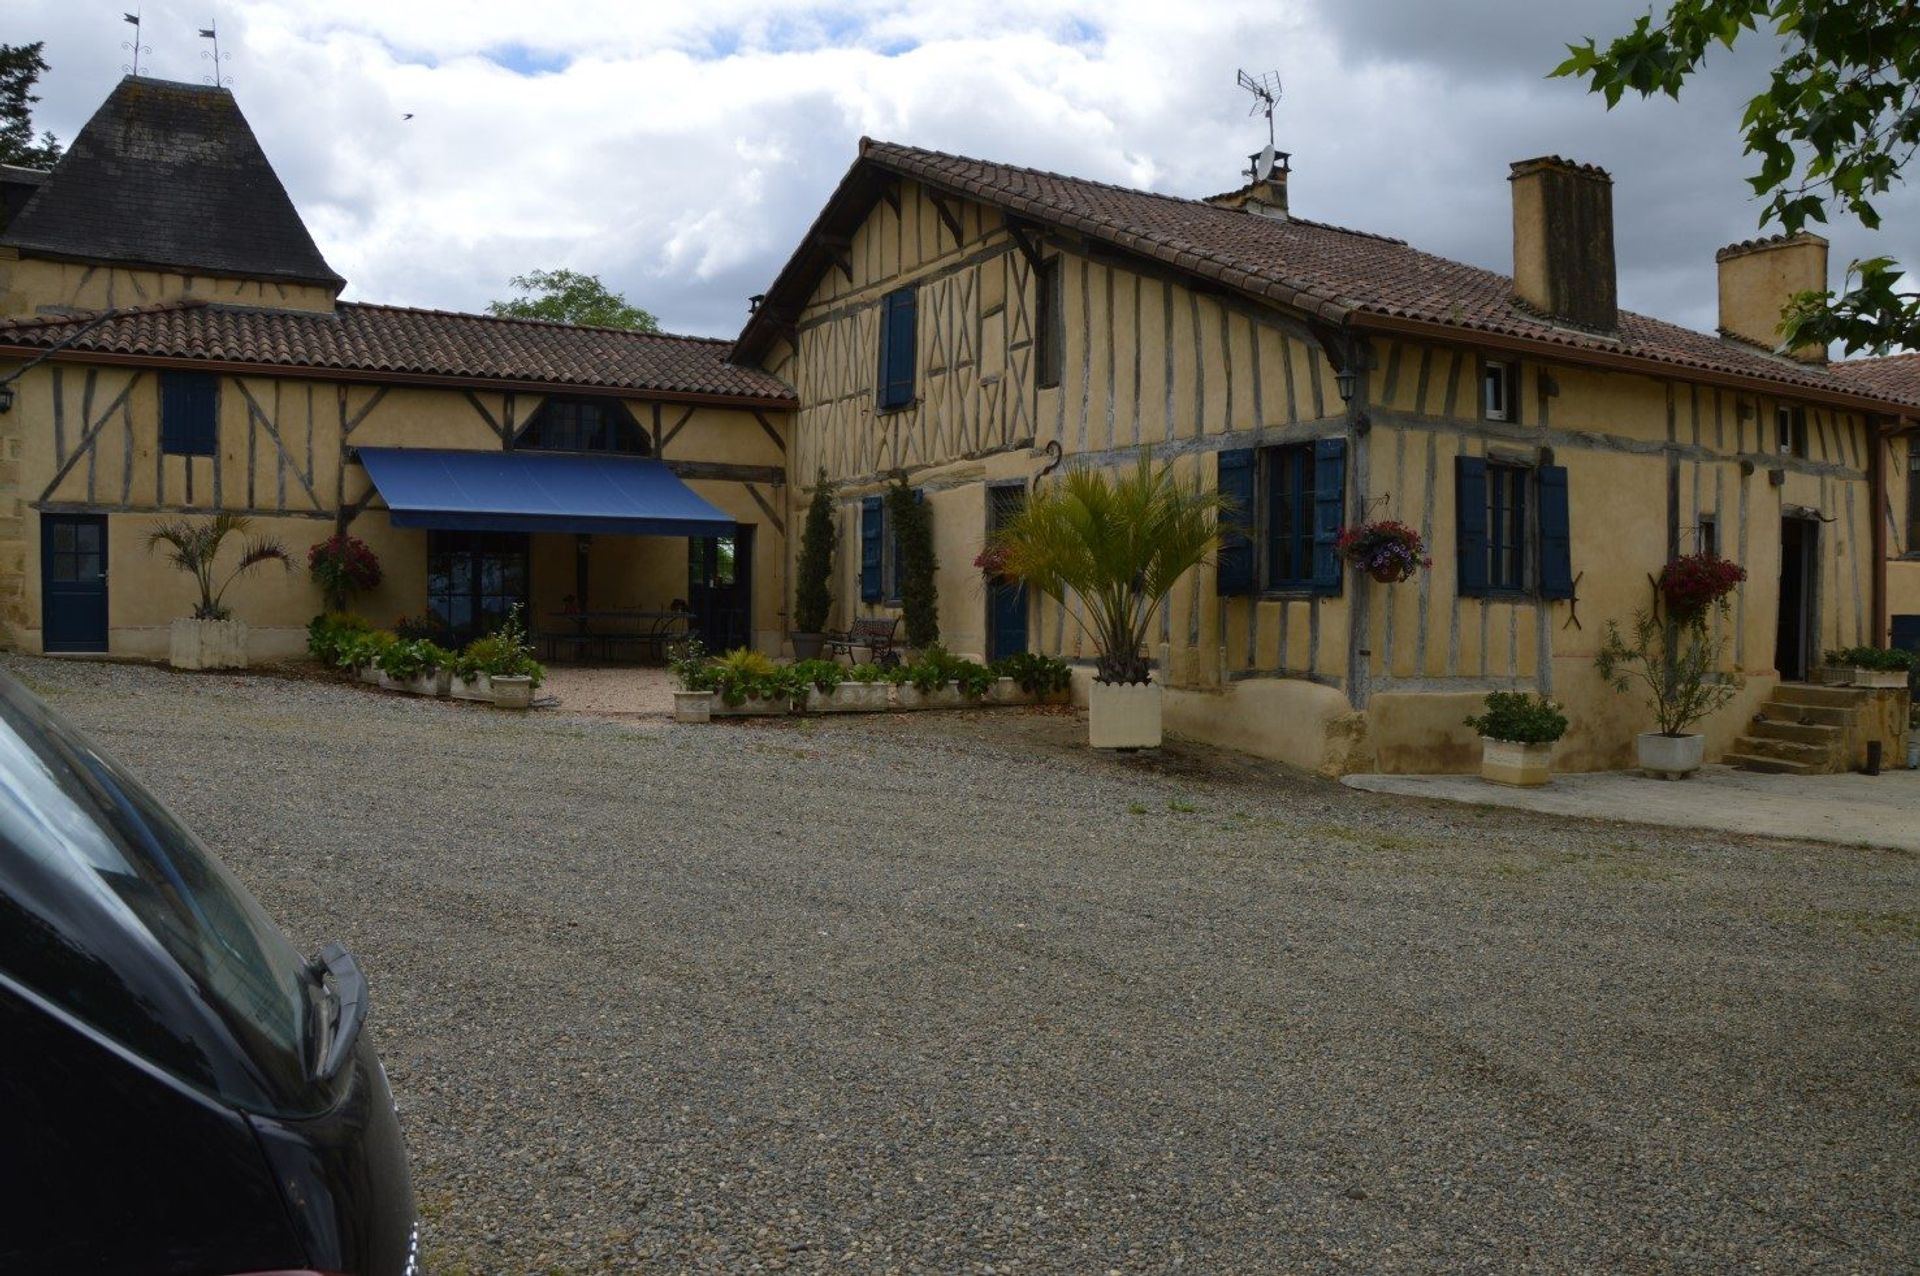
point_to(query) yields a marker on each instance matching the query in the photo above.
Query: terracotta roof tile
(392, 339)
(1896, 376)
(1329, 272)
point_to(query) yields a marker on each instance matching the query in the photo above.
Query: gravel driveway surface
(947, 993)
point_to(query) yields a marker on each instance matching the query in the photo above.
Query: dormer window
(585, 425)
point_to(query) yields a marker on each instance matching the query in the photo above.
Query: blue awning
(538, 492)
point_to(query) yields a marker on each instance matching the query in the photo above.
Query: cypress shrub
(919, 597)
(813, 593)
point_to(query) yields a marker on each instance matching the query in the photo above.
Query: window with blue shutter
(1470, 524)
(1556, 538)
(1233, 565)
(898, 314)
(189, 413)
(1329, 505)
(1288, 517)
(872, 531)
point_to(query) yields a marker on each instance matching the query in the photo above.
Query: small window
(898, 349)
(1791, 427)
(189, 413)
(1707, 535)
(1913, 494)
(1048, 336)
(1507, 528)
(584, 425)
(1496, 391)
(1289, 517)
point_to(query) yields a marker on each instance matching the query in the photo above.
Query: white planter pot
(1513, 762)
(479, 687)
(908, 696)
(1006, 691)
(369, 674)
(207, 644)
(1833, 675)
(390, 683)
(849, 697)
(1124, 715)
(434, 682)
(1880, 679)
(1670, 757)
(692, 706)
(515, 692)
(751, 707)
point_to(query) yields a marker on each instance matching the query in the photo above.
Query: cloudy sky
(679, 150)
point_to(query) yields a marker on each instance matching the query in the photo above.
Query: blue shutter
(1556, 536)
(1329, 508)
(1470, 522)
(1233, 568)
(872, 520)
(188, 411)
(898, 314)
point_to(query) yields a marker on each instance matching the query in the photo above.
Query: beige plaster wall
(33, 285)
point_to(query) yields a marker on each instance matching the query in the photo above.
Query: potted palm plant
(813, 591)
(1516, 733)
(1118, 542)
(211, 638)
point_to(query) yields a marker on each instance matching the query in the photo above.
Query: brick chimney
(1757, 279)
(1563, 242)
(1265, 196)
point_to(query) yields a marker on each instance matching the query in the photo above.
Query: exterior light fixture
(6, 398)
(1343, 381)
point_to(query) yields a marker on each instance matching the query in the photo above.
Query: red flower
(991, 561)
(1692, 583)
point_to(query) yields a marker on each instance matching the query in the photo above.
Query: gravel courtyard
(947, 993)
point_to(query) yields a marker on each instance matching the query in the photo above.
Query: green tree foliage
(567, 296)
(813, 592)
(1834, 127)
(919, 596)
(21, 66)
(1119, 543)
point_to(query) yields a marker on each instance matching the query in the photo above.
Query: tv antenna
(1266, 92)
(212, 32)
(134, 46)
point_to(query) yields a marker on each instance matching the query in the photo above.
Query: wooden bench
(875, 633)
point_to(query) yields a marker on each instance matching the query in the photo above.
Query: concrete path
(1854, 810)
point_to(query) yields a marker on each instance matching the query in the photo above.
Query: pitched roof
(404, 343)
(1896, 376)
(1328, 272)
(170, 175)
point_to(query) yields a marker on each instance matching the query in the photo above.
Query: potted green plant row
(746, 683)
(1877, 668)
(502, 663)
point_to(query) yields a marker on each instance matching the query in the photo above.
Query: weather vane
(212, 32)
(1266, 92)
(134, 46)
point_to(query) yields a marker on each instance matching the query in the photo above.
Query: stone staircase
(1802, 729)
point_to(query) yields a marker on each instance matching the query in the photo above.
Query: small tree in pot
(1118, 543)
(211, 638)
(813, 592)
(1677, 659)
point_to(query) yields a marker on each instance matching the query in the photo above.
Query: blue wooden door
(1006, 602)
(73, 582)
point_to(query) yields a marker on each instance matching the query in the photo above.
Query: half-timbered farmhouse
(186, 352)
(972, 326)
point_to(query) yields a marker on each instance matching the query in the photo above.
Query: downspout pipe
(1878, 438)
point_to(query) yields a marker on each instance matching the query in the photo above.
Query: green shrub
(865, 673)
(1520, 717)
(1885, 659)
(919, 595)
(333, 635)
(1035, 674)
(813, 589)
(744, 673)
(821, 675)
(408, 658)
(687, 661)
(937, 666)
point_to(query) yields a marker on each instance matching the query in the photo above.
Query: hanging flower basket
(1388, 551)
(991, 563)
(1692, 583)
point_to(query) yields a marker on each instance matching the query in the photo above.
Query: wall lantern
(1343, 381)
(6, 398)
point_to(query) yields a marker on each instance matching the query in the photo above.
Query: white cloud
(680, 150)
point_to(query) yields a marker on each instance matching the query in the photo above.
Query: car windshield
(95, 862)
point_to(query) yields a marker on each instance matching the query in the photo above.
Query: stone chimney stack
(1757, 279)
(1265, 195)
(1563, 242)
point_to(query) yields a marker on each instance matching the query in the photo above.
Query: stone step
(1805, 732)
(1773, 766)
(1830, 697)
(1806, 714)
(1818, 756)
